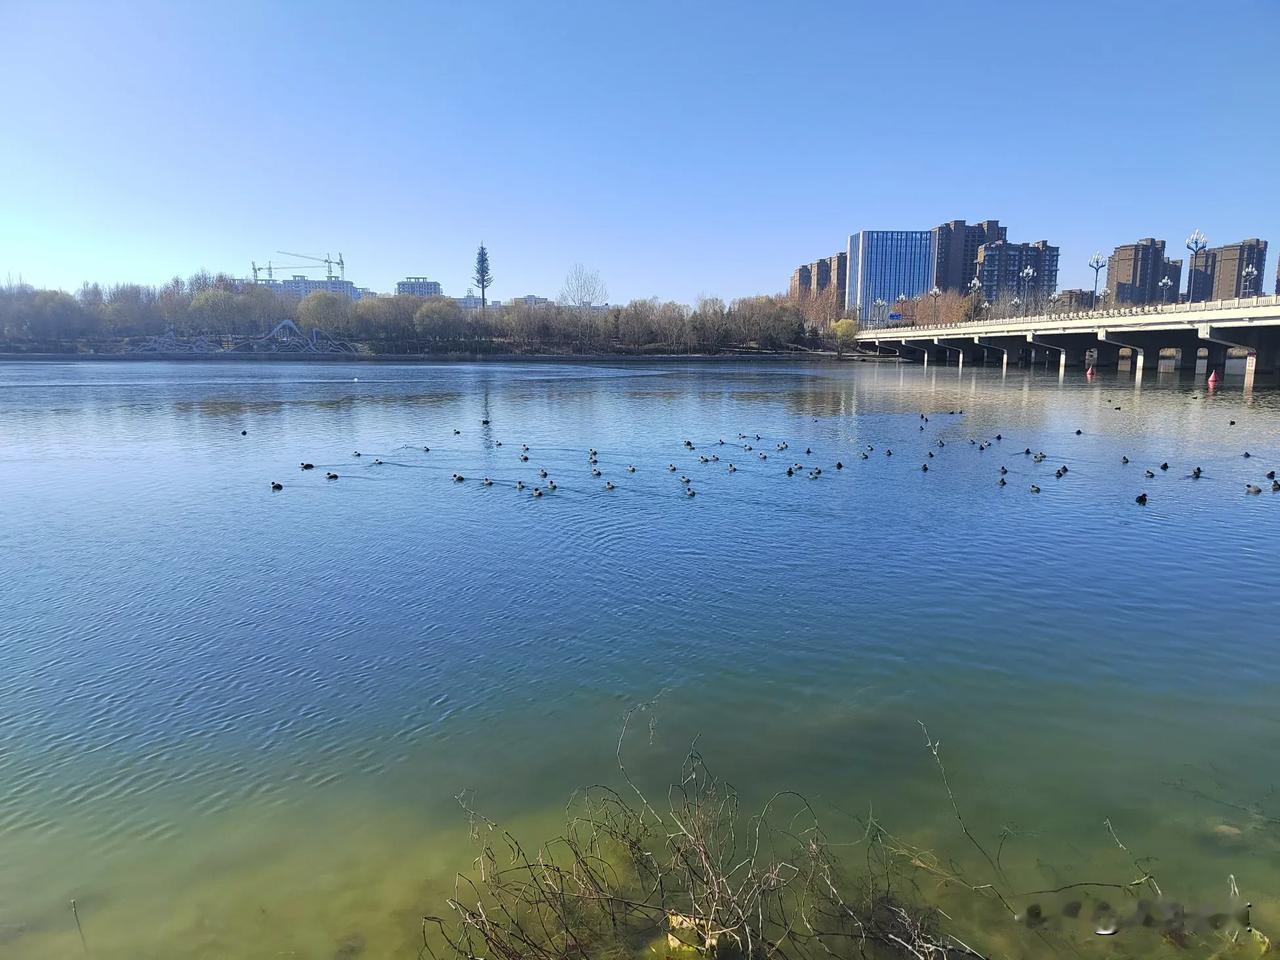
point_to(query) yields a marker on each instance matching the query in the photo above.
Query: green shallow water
(233, 723)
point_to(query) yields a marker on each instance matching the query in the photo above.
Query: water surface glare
(233, 721)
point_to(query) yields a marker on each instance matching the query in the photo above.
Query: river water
(233, 722)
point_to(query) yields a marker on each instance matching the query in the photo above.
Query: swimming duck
(377, 462)
(764, 456)
(684, 479)
(497, 443)
(537, 491)
(244, 433)
(1079, 432)
(1275, 486)
(524, 447)
(715, 458)
(487, 482)
(1027, 451)
(542, 474)
(1164, 466)
(1002, 481)
(732, 468)
(705, 460)
(608, 485)
(1003, 471)
(551, 484)
(276, 486)
(1124, 459)
(331, 476)
(671, 467)
(864, 456)
(484, 423)
(1250, 488)
(790, 472)
(690, 492)
(519, 484)
(1034, 488)
(524, 458)
(930, 454)
(595, 472)
(1140, 499)
(308, 466)
(998, 437)
(631, 468)
(458, 478)
(817, 471)
(456, 432)
(426, 449)
(888, 453)
(1148, 474)
(1196, 473)
(1271, 474)
(924, 467)
(1247, 454)
(839, 465)
(1058, 473)
(355, 453)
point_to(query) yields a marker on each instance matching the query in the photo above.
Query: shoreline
(772, 356)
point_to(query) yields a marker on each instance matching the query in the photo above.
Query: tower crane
(327, 260)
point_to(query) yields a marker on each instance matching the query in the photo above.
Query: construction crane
(327, 260)
(257, 269)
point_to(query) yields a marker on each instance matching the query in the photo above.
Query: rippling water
(233, 722)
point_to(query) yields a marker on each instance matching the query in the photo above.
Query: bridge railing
(1077, 317)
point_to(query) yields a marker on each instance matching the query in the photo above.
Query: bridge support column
(1212, 335)
(1138, 352)
(1003, 351)
(958, 350)
(1062, 353)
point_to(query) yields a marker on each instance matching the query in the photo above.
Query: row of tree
(219, 306)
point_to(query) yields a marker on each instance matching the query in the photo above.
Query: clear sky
(680, 148)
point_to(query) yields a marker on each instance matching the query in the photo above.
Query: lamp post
(1250, 274)
(881, 319)
(1028, 274)
(1195, 243)
(1164, 286)
(975, 288)
(1016, 302)
(1097, 262)
(935, 293)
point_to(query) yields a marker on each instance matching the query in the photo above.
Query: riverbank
(464, 357)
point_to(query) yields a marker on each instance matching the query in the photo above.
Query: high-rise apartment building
(419, 287)
(1230, 271)
(1239, 269)
(956, 251)
(801, 279)
(885, 265)
(815, 279)
(1002, 270)
(1136, 271)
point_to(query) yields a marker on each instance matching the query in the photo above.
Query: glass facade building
(885, 265)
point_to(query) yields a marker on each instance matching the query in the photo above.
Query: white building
(419, 287)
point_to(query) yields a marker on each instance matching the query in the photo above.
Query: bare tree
(583, 288)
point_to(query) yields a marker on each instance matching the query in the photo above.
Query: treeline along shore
(206, 314)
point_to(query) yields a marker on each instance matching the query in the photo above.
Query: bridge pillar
(1003, 351)
(1062, 353)
(959, 351)
(1138, 352)
(1228, 339)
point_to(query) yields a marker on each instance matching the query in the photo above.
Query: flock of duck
(746, 444)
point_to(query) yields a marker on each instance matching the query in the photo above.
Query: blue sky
(679, 148)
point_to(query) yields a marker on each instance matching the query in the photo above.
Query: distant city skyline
(195, 143)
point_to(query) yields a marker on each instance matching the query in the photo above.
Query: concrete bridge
(1238, 337)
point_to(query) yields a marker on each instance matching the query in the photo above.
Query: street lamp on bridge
(1164, 286)
(881, 319)
(1249, 275)
(935, 293)
(975, 288)
(1028, 274)
(1097, 262)
(1195, 243)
